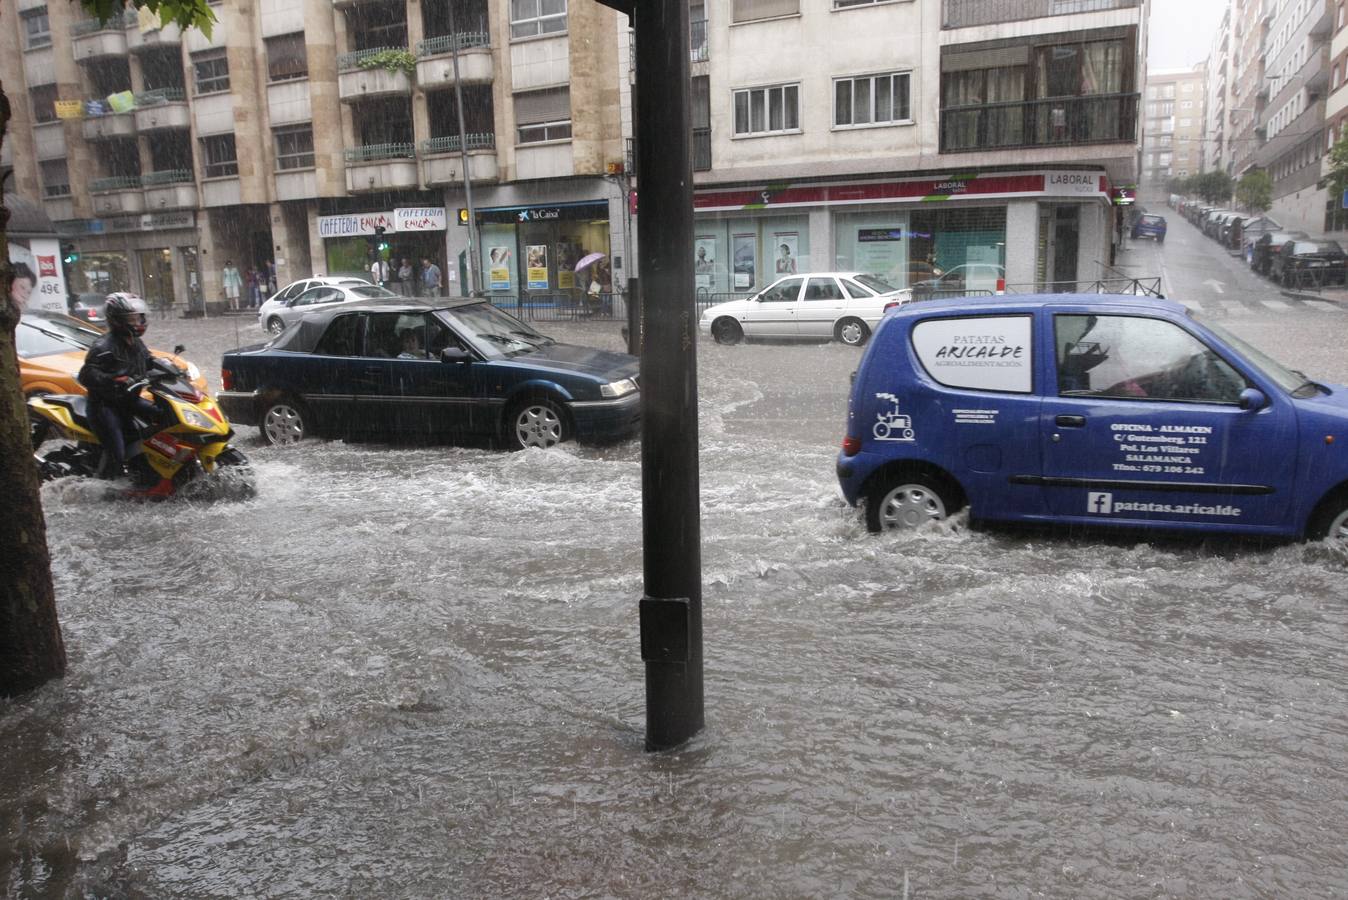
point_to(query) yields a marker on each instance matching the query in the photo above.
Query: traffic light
(380, 243)
(69, 255)
(463, 215)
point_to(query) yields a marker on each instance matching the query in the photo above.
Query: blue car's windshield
(1284, 377)
(492, 332)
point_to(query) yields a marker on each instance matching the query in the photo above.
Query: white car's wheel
(852, 332)
(275, 326)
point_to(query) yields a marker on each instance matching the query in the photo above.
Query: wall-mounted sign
(355, 224)
(420, 218)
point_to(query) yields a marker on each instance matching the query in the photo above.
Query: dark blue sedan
(429, 370)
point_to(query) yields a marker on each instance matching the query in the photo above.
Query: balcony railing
(116, 183)
(698, 33)
(438, 46)
(375, 152)
(450, 143)
(701, 149)
(160, 96)
(348, 62)
(118, 22)
(964, 13)
(168, 176)
(1095, 119)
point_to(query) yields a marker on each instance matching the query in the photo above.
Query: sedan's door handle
(1070, 421)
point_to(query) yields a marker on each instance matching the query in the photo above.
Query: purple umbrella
(588, 259)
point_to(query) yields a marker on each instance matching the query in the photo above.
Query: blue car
(1092, 410)
(428, 370)
(1149, 226)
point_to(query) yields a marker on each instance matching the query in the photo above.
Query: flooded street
(416, 672)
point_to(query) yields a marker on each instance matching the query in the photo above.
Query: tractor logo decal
(890, 424)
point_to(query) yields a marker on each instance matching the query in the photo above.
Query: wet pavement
(416, 672)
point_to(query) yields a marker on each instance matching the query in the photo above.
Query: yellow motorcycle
(190, 439)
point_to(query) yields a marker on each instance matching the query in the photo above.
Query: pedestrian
(430, 277)
(379, 272)
(250, 281)
(232, 282)
(405, 277)
(271, 277)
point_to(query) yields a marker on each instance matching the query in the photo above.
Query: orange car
(51, 351)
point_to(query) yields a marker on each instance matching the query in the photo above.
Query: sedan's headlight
(618, 388)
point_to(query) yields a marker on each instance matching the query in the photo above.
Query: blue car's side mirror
(1252, 400)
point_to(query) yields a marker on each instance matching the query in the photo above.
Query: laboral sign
(420, 218)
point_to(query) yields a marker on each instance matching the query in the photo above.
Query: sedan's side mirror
(1252, 400)
(455, 355)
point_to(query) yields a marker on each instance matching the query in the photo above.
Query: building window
(295, 147)
(749, 10)
(871, 100)
(212, 71)
(286, 57)
(543, 115)
(222, 159)
(844, 4)
(767, 110)
(55, 177)
(36, 29)
(533, 17)
(43, 99)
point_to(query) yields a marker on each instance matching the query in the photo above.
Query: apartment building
(1336, 111)
(1217, 153)
(1292, 121)
(901, 138)
(1249, 25)
(306, 133)
(1172, 136)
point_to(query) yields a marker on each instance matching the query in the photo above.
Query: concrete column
(317, 257)
(1093, 240)
(1022, 241)
(823, 257)
(210, 260)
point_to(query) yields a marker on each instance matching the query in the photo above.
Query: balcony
(162, 108)
(379, 167)
(1096, 119)
(169, 35)
(443, 160)
(966, 13)
(119, 194)
(49, 139)
(112, 126)
(91, 39)
(435, 60)
(170, 189)
(357, 83)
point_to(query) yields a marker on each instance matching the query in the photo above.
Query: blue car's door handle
(1070, 421)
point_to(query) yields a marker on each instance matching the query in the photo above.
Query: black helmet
(126, 313)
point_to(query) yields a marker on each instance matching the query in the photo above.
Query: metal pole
(474, 275)
(671, 611)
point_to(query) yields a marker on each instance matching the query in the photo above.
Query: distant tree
(1338, 168)
(1215, 186)
(1176, 185)
(31, 649)
(1255, 191)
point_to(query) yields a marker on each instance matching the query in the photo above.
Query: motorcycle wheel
(39, 429)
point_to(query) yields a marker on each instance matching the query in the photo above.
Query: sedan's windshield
(33, 340)
(492, 332)
(61, 326)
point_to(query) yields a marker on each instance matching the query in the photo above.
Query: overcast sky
(1181, 32)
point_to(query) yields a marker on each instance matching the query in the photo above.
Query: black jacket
(109, 357)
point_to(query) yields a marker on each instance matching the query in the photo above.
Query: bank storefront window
(742, 255)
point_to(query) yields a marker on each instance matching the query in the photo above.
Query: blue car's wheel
(538, 423)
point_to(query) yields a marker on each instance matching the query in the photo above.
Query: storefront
(352, 242)
(153, 255)
(1031, 228)
(534, 250)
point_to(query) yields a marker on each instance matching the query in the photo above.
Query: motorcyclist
(113, 365)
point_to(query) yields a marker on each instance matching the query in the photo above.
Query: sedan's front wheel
(537, 423)
(275, 326)
(908, 501)
(284, 421)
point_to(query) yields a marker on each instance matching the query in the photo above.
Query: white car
(280, 310)
(844, 306)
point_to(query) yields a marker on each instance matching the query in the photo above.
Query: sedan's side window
(1137, 358)
(856, 290)
(295, 290)
(340, 338)
(787, 291)
(310, 297)
(823, 289)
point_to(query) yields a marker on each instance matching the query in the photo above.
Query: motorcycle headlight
(618, 388)
(195, 418)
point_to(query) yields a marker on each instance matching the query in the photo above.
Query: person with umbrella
(596, 286)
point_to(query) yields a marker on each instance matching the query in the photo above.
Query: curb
(1321, 297)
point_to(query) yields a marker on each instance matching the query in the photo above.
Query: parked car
(1308, 262)
(980, 277)
(428, 369)
(1228, 226)
(1213, 221)
(844, 306)
(1268, 244)
(1089, 410)
(284, 307)
(88, 307)
(1150, 226)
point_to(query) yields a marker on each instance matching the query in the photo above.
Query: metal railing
(562, 306)
(701, 149)
(450, 143)
(697, 30)
(167, 176)
(349, 62)
(963, 13)
(438, 46)
(115, 183)
(375, 152)
(1092, 119)
(116, 22)
(160, 96)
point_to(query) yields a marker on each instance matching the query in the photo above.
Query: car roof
(1024, 302)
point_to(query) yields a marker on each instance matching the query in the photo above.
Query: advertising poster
(38, 282)
(704, 262)
(745, 253)
(880, 252)
(537, 266)
(567, 257)
(498, 270)
(785, 247)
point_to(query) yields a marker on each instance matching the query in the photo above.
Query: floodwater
(416, 673)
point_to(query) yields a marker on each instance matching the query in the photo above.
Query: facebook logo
(1100, 504)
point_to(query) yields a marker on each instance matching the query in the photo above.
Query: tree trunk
(31, 650)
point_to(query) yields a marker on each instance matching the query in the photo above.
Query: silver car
(287, 307)
(844, 306)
